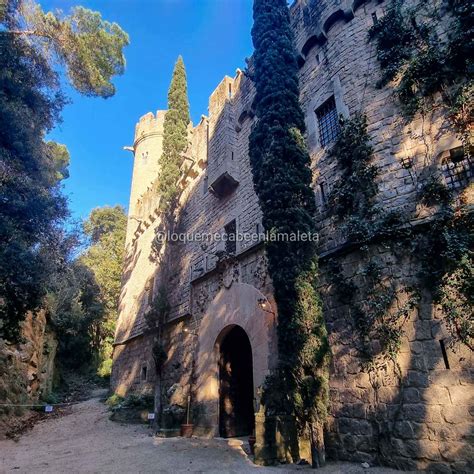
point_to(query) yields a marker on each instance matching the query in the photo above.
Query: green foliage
(32, 206)
(133, 400)
(105, 367)
(105, 221)
(160, 308)
(83, 293)
(139, 400)
(106, 229)
(411, 51)
(59, 158)
(175, 143)
(282, 179)
(175, 138)
(378, 305)
(114, 401)
(395, 38)
(374, 300)
(155, 317)
(434, 191)
(160, 356)
(50, 399)
(355, 189)
(74, 307)
(449, 276)
(33, 248)
(90, 48)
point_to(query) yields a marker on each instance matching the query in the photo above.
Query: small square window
(457, 168)
(328, 122)
(231, 237)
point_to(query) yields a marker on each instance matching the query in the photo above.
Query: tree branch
(24, 32)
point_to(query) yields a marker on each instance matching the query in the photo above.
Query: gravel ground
(86, 441)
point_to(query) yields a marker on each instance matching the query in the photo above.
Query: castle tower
(137, 286)
(147, 149)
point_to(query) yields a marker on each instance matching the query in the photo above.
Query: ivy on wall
(425, 62)
(432, 65)
(379, 305)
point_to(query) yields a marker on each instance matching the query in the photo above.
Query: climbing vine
(379, 307)
(433, 67)
(450, 275)
(426, 63)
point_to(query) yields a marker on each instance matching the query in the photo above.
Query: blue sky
(213, 36)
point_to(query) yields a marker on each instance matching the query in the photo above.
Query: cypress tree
(175, 137)
(282, 179)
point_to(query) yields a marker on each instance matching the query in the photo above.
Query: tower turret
(147, 149)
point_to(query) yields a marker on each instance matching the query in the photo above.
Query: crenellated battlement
(424, 391)
(149, 124)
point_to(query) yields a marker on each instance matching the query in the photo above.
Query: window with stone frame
(231, 237)
(328, 122)
(457, 167)
(144, 374)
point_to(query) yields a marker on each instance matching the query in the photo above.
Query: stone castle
(220, 336)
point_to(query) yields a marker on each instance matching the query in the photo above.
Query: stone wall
(413, 413)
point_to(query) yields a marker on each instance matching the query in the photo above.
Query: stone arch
(309, 44)
(236, 392)
(237, 305)
(338, 15)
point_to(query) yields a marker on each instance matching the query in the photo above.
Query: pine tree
(34, 46)
(175, 137)
(89, 48)
(282, 180)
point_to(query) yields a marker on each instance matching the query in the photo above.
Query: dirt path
(86, 441)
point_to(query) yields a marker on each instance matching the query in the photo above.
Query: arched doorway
(236, 410)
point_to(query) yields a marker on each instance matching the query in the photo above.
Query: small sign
(151, 416)
(48, 408)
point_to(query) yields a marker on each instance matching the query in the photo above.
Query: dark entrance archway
(236, 411)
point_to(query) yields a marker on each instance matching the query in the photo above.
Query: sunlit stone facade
(412, 414)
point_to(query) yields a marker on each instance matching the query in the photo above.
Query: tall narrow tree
(175, 137)
(175, 142)
(282, 180)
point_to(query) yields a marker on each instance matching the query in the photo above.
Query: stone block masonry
(414, 412)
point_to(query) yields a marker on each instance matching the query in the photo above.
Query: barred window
(457, 169)
(328, 122)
